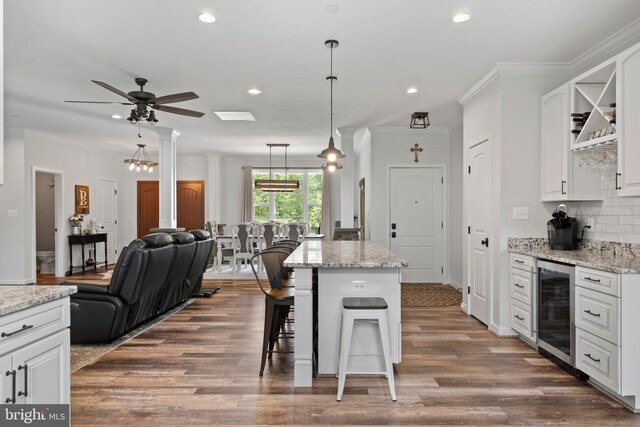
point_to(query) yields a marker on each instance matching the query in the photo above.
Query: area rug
(86, 354)
(430, 295)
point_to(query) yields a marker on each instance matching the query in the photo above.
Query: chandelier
(141, 160)
(277, 185)
(331, 154)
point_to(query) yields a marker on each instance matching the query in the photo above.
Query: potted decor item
(76, 224)
(90, 261)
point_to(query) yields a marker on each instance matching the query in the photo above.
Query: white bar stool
(364, 308)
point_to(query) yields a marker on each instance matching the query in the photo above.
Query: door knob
(393, 234)
(485, 242)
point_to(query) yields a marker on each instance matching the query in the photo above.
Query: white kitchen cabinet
(563, 176)
(628, 125)
(523, 284)
(606, 322)
(35, 355)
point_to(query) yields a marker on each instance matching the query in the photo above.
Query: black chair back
(193, 281)
(185, 249)
(273, 261)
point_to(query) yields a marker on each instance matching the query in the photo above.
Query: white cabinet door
(628, 125)
(43, 370)
(555, 144)
(6, 380)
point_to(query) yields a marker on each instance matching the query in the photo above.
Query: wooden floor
(200, 367)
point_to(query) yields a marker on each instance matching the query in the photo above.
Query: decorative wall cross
(415, 150)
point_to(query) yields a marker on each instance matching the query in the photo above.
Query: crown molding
(404, 129)
(515, 68)
(72, 143)
(618, 41)
(624, 38)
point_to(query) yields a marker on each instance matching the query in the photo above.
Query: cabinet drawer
(599, 359)
(25, 326)
(521, 285)
(522, 319)
(601, 281)
(597, 313)
(523, 262)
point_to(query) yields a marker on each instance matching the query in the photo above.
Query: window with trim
(303, 205)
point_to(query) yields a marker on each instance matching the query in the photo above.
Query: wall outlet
(358, 286)
(12, 213)
(521, 213)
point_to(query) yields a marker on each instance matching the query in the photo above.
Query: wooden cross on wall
(415, 150)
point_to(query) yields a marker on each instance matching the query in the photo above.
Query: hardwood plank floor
(200, 367)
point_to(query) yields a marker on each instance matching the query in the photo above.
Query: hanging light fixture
(277, 185)
(141, 160)
(331, 166)
(331, 153)
(419, 121)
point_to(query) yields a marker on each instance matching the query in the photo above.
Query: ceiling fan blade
(176, 97)
(114, 90)
(181, 111)
(101, 102)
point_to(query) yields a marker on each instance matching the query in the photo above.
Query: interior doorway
(189, 205)
(479, 254)
(48, 222)
(416, 221)
(106, 217)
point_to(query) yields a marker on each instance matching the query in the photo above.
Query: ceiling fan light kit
(141, 160)
(146, 102)
(419, 121)
(331, 153)
(277, 185)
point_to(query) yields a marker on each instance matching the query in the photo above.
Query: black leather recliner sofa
(152, 275)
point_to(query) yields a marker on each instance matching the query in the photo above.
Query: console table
(86, 239)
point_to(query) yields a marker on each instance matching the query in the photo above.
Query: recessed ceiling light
(207, 18)
(332, 8)
(461, 17)
(235, 115)
(116, 116)
(254, 91)
(412, 90)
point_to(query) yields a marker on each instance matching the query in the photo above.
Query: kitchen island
(326, 272)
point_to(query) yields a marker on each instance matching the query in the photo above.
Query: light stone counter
(341, 254)
(16, 298)
(621, 258)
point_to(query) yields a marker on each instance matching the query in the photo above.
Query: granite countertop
(606, 256)
(343, 253)
(16, 298)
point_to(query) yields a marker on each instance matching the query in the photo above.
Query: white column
(347, 179)
(303, 338)
(215, 187)
(167, 175)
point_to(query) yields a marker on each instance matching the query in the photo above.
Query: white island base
(344, 269)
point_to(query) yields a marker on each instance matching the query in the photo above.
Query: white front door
(480, 230)
(416, 226)
(106, 216)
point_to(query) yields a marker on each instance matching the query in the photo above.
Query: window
(303, 205)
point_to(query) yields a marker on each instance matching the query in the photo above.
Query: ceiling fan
(144, 101)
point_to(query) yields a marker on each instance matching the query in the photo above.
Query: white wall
(12, 197)
(456, 225)
(45, 213)
(81, 163)
(391, 147)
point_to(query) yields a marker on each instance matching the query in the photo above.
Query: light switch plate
(521, 213)
(358, 285)
(12, 213)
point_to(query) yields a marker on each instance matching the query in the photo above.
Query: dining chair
(271, 232)
(278, 300)
(242, 243)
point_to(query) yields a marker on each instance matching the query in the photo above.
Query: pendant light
(141, 160)
(331, 153)
(277, 185)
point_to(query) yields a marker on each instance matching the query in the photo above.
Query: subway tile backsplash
(616, 219)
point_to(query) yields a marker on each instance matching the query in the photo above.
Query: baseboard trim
(464, 308)
(502, 331)
(17, 282)
(455, 284)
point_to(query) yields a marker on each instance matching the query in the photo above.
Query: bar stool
(364, 308)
